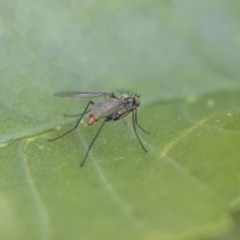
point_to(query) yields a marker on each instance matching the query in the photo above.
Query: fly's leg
(92, 142)
(86, 110)
(134, 121)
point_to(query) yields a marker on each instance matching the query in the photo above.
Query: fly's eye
(136, 101)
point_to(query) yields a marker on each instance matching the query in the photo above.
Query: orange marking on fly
(112, 107)
(92, 119)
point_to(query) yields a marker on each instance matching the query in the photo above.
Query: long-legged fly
(113, 107)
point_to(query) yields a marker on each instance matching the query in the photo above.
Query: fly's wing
(107, 108)
(80, 95)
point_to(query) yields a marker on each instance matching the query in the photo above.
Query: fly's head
(131, 103)
(136, 100)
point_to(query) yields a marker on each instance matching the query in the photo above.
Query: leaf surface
(181, 57)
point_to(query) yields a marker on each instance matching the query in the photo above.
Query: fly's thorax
(124, 94)
(121, 94)
(127, 105)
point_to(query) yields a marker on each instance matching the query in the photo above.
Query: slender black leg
(91, 143)
(136, 121)
(135, 131)
(76, 125)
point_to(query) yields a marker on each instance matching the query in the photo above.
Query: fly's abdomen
(92, 119)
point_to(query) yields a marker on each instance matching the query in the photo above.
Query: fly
(113, 107)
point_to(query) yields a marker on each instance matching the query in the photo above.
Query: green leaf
(182, 57)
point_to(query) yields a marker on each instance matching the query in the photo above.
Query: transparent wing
(107, 107)
(83, 94)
